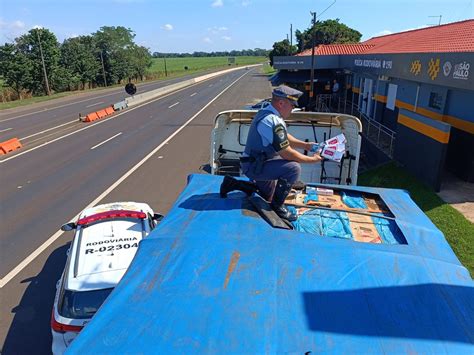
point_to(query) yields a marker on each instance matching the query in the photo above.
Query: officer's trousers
(272, 171)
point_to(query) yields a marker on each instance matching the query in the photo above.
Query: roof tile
(452, 37)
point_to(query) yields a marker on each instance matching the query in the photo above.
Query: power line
(439, 22)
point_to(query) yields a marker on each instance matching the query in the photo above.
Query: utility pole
(48, 92)
(103, 67)
(311, 92)
(291, 36)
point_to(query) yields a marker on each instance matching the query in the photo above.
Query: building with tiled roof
(332, 49)
(448, 38)
(417, 83)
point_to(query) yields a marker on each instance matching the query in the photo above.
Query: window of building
(436, 100)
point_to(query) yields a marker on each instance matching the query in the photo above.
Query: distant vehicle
(264, 103)
(104, 245)
(259, 105)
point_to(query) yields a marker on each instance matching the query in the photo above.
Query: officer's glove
(317, 147)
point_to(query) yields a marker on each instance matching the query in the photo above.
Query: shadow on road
(30, 331)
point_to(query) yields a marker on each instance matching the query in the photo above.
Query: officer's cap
(288, 93)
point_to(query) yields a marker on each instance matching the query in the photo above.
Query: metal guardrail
(380, 135)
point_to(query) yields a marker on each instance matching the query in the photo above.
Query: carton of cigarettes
(324, 192)
(339, 139)
(331, 153)
(334, 148)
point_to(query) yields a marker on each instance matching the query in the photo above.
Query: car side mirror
(157, 217)
(68, 227)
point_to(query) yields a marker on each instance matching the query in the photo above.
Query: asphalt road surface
(31, 121)
(142, 154)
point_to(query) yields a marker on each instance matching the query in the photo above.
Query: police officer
(270, 157)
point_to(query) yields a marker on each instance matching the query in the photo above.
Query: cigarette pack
(324, 192)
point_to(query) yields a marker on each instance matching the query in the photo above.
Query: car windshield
(82, 304)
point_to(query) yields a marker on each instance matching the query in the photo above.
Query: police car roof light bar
(110, 215)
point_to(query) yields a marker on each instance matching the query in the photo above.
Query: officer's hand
(317, 157)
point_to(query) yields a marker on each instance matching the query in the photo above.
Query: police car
(264, 103)
(259, 105)
(104, 245)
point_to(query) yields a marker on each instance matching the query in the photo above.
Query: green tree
(29, 45)
(113, 43)
(15, 69)
(281, 48)
(140, 61)
(79, 57)
(327, 32)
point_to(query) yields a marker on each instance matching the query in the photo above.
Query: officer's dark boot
(230, 184)
(282, 190)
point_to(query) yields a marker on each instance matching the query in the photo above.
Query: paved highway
(144, 154)
(25, 122)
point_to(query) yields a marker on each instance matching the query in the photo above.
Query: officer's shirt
(267, 124)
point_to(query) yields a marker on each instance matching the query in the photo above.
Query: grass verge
(175, 68)
(458, 231)
(269, 70)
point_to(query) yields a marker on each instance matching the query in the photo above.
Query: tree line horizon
(37, 64)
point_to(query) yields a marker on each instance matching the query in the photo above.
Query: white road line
(4, 130)
(97, 103)
(193, 94)
(173, 105)
(77, 102)
(98, 145)
(99, 198)
(49, 129)
(95, 124)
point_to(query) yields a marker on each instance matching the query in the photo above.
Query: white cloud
(217, 3)
(19, 25)
(226, 38)
(15, 25)
(382, 33)
(245, 3)
(207, 40)
(215, 30)
(10, 30)
(38, 27)
(167, 27)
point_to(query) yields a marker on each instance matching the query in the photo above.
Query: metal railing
(380, 135)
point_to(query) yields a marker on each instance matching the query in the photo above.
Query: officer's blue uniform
(267, 136)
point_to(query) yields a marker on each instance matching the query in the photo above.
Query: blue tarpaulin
(214, 277)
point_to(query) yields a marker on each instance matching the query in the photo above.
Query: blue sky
(213, 25)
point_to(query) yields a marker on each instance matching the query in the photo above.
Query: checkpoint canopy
(214, 277)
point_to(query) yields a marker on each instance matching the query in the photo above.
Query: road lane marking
(92, 98)
(97, 103)
(193, 94)
(49, 129)
(98, 145)
(173, 105)
(99, 198)
(95, 124)
(4, 130)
